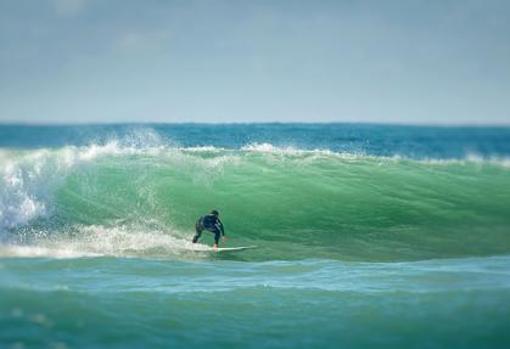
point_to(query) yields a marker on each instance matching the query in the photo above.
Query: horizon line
(295, 122)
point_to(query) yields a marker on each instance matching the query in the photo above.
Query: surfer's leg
(216, 237)
(198, 232)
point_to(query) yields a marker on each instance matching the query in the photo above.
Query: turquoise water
(121, 302)
(367, 236)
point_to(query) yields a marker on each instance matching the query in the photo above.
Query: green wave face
(300, 205)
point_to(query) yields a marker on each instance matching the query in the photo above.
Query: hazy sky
(221, 61)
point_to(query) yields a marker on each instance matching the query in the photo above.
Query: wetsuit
(211, 223)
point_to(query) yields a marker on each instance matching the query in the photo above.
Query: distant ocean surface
(367, 235)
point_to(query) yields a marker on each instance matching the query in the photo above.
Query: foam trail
(98, 241)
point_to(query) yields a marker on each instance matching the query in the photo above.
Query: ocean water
(367, 235)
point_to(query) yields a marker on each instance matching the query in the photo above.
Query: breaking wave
(141, 196)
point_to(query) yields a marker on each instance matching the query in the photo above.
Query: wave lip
(29, 177)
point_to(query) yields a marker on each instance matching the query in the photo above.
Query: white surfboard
(232, 249)
(207, 249)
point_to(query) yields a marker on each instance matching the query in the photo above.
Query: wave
(298, 203)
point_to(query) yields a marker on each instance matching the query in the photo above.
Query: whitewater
(368, 235)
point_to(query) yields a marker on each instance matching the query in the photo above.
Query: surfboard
(233, 249)
(207, 249)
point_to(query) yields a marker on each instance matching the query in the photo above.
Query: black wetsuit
(211, 223)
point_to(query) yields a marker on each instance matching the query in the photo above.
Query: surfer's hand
(224, 238)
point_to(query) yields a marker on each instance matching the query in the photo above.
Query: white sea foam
(97, 241)
(288, 150)
(203, 149)
(29, 251)
(470, 158)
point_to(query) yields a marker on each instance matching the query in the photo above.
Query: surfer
(210, 222)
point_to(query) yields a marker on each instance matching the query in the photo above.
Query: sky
(407, 61)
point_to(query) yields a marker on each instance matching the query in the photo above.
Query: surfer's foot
(215, 246)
